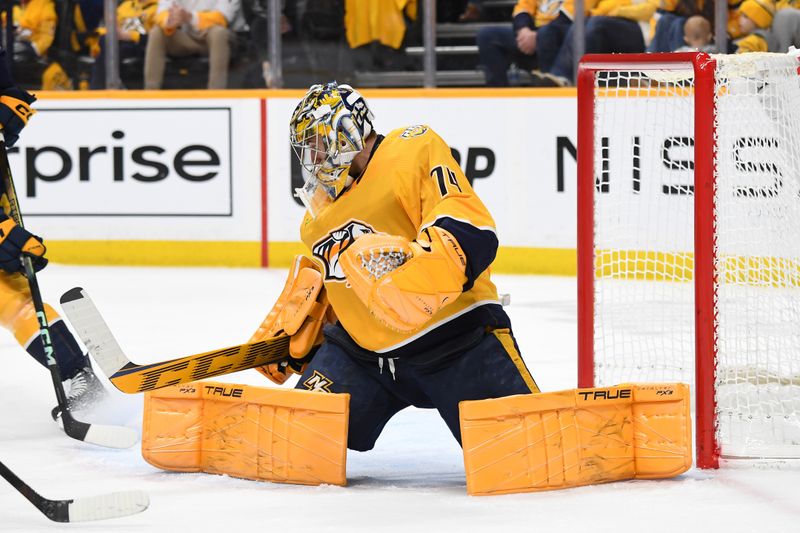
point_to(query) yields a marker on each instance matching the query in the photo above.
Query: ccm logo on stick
(146, 163)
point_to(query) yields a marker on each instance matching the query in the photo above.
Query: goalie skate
(85, 390)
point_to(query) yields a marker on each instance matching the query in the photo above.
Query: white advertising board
(124, 161)
(141, 169)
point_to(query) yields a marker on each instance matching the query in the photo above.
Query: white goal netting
(644, 302)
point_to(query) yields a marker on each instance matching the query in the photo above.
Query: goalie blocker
(300, 312)
(522, 443)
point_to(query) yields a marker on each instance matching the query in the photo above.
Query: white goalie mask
(327, 131)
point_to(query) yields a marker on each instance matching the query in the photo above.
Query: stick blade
(98, 434)
(112, 505)
(93, 331)
(112, 436)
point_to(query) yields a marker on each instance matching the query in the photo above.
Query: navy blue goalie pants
(492, 368)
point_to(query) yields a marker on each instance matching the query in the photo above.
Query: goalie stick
(112, 505)
(109, 436)
(132, 378)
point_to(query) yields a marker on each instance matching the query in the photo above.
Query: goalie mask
(327, 131)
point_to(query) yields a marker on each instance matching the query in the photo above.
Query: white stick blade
(107, 436)
(111, 436)
(93, 330)
(113, 505)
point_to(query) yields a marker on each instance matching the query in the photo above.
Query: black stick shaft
(22, 487)
(56, 510)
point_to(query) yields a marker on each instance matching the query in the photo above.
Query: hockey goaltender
(395, 307)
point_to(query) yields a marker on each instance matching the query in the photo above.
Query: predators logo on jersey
(413, 131)
(329, 249)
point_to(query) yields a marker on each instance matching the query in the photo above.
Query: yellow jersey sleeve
(440, 195)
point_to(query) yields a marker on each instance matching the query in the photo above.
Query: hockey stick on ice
(112, 505)
(132, 378)
(109, 436)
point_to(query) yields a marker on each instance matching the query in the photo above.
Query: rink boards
(206, 178)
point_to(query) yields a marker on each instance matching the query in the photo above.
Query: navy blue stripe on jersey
(479, 245)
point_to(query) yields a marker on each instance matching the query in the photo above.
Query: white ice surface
(412, 481)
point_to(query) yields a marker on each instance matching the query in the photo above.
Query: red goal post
(667, 168)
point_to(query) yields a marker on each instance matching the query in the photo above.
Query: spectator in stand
(135, 19)
(671, 17)
(749, 34)
(783, 32)
(613, 26)
(698, 36)
(537, 31)
(35, 28)
(375, 32)
(191, 27)
(473, 12)
(755, 20)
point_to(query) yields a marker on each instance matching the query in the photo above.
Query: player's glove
(300, 312)
(404, 283)
(15, 241)
(15, 110)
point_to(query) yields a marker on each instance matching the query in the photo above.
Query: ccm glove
(15, 241)
(404, 283)
(15, 110)
(300, 312)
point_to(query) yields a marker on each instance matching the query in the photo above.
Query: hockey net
(689, 238)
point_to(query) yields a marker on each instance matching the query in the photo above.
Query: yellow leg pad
(281, 435)
(555, 440)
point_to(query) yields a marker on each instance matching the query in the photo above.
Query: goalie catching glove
(300, 312)
(404, 283)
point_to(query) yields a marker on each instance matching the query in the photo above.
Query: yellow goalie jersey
(411, 182)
